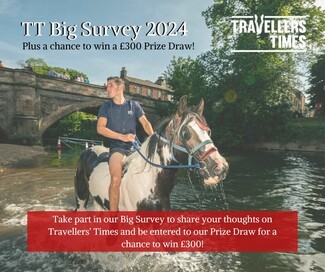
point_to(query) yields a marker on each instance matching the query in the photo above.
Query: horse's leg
(81, 187)
(98, 207)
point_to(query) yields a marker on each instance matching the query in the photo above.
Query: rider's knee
(115, 180)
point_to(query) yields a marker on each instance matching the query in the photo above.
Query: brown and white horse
(182, 139)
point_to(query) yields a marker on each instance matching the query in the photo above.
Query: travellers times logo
(286, 33)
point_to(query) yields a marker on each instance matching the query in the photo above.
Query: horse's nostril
(216, 171)
(204, 173)
(203, 164)
(203, 170)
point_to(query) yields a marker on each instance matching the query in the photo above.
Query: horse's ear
(182, 106)
(200, 107)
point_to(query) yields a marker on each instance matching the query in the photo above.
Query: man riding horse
(117, 119)
(145, 179)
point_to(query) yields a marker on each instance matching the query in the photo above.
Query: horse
(148, 174)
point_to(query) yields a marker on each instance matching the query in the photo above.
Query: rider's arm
(108, 133)
(146, 125)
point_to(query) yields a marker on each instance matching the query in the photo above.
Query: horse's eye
(185, 133)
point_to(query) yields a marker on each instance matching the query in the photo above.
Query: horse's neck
(159, 153)
(160, 180)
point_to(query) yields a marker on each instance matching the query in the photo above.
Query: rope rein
(173, 146)
(197, 165)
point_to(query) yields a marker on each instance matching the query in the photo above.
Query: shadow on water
(256, 181)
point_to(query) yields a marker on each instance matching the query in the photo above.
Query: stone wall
(30, 103)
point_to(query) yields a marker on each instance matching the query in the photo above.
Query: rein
(197, 165)
(180, 148)
(172, 145)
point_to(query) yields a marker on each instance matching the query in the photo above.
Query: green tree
(31, 62)
(77, 124)
(317, 81)
(247, 95)
(39, 66)
(187, 76)
(269, 78)
(218, 16)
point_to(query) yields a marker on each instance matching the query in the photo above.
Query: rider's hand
(128, 137)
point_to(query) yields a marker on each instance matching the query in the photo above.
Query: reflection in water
(256, 181)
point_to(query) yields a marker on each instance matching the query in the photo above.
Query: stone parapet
(30, 103)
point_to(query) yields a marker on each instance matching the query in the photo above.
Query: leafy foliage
(187, 76)
(77, 125)
(317, 81)
(304, 130)
(31, 62)
(247, 95)
(39, 66)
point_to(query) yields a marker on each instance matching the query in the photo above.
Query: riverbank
(12, 156)
(314, 146)
(19, 155)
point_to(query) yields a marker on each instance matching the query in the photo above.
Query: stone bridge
(30, 103)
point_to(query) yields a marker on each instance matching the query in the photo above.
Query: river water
(256, 181)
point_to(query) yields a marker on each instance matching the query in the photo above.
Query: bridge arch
(3, 135)
(30, 103)
(59, 114)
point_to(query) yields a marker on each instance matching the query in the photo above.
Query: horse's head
(189, 130)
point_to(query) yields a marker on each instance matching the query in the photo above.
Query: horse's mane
(149, 146)
(154, 139)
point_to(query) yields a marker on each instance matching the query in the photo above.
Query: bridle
(189, 151)
(185, 137)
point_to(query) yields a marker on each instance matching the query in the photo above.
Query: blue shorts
(122, 148)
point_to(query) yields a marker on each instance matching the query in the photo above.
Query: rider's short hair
(116, 79)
